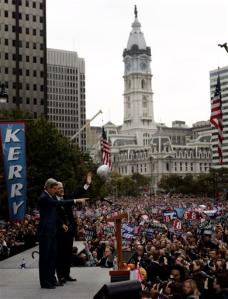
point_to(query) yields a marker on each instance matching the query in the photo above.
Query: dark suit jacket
(48, 213)
(65, 215)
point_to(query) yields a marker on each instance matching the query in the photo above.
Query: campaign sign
(13, 148)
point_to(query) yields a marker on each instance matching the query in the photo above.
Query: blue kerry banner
(12, 135)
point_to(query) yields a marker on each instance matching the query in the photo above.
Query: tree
(49, 154)
(171, 183)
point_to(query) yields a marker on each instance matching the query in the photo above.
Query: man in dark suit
(47, 204)
(66, 230)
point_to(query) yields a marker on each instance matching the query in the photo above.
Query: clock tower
(138, 95)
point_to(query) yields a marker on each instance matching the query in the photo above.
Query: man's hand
(65, 228)
(80, 200)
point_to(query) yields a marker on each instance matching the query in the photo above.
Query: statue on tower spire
(136, 12)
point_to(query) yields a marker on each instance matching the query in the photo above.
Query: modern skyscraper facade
(66, 93)
(23, 54)
(223, 73)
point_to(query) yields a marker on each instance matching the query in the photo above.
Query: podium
(121, 273)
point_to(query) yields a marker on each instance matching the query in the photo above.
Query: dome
(136, 36)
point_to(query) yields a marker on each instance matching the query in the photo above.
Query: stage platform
(16, 283)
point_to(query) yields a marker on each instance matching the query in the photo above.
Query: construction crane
(83, 127)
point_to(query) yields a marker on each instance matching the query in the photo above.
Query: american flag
(105, 150)
(216, 116)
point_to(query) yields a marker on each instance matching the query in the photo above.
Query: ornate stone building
(143, 146)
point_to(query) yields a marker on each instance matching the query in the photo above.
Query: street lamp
(3, 94)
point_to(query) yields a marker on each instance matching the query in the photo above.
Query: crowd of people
(176, 246)
(16, 237)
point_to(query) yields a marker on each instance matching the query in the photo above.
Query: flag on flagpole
(216, 116)
(105, 150)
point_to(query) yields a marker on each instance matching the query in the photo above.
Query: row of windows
(65, 90)
(61, 69)
(19, 29)
(71, 125)
(63, 111)
(34, 33)
(62, 77)
(139, 168)
(29, 101)
(143, 84)
(62, 84)
(27, 73)
(62, 98)
(65, 121)
(26, 17)
(33, 87)
(27, 3)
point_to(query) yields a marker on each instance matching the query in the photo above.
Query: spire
(136, 36)
(136, 12)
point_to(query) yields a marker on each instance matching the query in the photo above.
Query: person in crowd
(107, 260)
(220, 285)
(190, 289)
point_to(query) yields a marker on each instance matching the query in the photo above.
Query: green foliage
(119, 185)
(49, 154)
(208, 183)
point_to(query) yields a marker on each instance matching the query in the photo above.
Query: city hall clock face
(143, 65)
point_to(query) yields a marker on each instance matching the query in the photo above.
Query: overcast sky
(183, 37)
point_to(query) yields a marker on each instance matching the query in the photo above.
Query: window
(27, 45)
(34, 18)
(34, 4)
(6, 42)
(34, 87)
(144, 103)
(27, 58)
(27, 30)
(27, 3)
(6, 56)
(6, 14)
(6, 27)
(27, 101)
(34, 31)
(35, 101)
(27, 72)
(34, 59)
(27, 17)
(34, 46)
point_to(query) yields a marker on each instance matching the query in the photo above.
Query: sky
(183, 36)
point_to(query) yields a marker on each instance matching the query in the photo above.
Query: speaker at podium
(120, 290)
